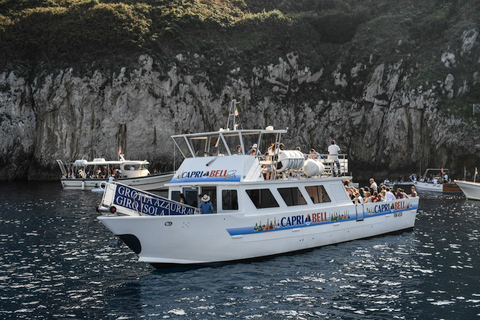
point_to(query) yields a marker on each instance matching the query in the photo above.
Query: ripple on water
(59, 262)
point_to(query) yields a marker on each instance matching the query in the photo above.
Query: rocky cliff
(381, 113)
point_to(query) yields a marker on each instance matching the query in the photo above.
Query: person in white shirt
(333, 151)
(373, 185)
(390, 195)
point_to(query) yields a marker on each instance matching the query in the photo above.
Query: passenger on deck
(271, 151)
(367, 198)
(390, 195)
(206, 206)
(399, 194)
(382, 196)
(182, 198)
(254, 147)
(374, 197)
(238, 149)
(373, 185)
(414, 193)
(313, 154)
(362, 192)
(333, 151)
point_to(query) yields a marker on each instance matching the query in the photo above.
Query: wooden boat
(434, 180)
(263, 206)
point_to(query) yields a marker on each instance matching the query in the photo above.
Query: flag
(476, 171)
(441, 170)
(119, 150)
(236, 112)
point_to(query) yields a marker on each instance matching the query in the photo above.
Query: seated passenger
(414, 193)
(382, 196)
(367, 198)
(313, 154)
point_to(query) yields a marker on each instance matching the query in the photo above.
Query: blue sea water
(59, 262)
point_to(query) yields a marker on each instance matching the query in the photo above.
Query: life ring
(113, 209)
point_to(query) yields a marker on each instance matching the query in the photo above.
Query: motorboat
(470, 189)
(263, 204)
(86, 175)
(436, 180)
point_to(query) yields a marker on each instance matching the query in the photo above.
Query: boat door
(360, 211)
(191, 196)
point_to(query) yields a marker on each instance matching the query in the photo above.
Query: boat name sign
(313, 219)
(149, 204)
(212, 175)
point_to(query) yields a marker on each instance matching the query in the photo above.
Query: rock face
(386, 126)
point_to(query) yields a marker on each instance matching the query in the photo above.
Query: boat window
(175, 196)
(191, 197)
(229, 200)
(318, 194)
(292, 196)
(262, 198)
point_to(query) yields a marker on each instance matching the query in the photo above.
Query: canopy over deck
(225, 142)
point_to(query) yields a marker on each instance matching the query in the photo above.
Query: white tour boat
(436, 180)
(87, 175)
(470, 189)
(263, 206)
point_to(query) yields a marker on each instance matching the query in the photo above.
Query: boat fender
(311, 168)
(113, 209)
(321, 167)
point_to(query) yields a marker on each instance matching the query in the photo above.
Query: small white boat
(436, 180)
(86, 175)
(262, 206)
(99, 188)
(470, 189)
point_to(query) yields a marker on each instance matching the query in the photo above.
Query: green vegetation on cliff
(96, 34)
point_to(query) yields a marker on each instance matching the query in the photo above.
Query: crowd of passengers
(98, 173)
(376, 194)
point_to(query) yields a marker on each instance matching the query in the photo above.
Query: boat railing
(272, 166)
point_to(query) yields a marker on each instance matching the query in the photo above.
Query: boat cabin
(234, 166)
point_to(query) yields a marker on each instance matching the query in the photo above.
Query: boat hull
(151, 182)
(470, 189)
(442, 188)
(165, 241)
